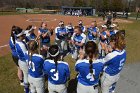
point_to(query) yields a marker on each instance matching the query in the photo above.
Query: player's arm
(82, 42)
(103, 37)
(94, 33)
(107, 59)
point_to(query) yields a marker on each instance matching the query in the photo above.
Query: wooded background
(99, 5)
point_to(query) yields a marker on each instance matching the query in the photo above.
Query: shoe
(21, 83)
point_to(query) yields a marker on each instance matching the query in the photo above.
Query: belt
(95, 86)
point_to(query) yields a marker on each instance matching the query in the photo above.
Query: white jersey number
(121, 64)
(31, 66)
(90, 76)
(55, 75)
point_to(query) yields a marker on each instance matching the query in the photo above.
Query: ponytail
(91, 66)
(56, 63)
(54, 55)
(13, 37)
(91, 50)
(13, 34)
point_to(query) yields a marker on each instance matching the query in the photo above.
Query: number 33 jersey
(35, 65)
(58, 76)
(84, 76)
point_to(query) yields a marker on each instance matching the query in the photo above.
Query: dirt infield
(24, 20)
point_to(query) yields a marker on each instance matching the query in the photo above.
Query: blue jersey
(70, 30)
(85, 77)
(12, 46)
(112, 33)
(32, 36)
(35, 65)
(79, 38)
(83, 28)
(45, 39)
(114, 62)
(90, 33)
(105, 36)
(58, 31)
(62, 74)
(21, 49)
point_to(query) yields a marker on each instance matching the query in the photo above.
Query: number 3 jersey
(56, 77)
(84, 76)
(114, 62)
(35, 65)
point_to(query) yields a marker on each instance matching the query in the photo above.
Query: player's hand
(34, 27)
(76, 43)
(81, 54)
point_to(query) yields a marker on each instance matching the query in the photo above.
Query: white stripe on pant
(107, 81)
(24, 67)
(61, 88)
(37, 85)
(86, 89)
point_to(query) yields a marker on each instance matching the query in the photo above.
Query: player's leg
(107, 81)
(112, 89)
(61, 88)
(31, 82)
(20, 76)
(51, 88)
(19, 73)
(40, 85)
(93, 89)
(23, 66)
(81, 88)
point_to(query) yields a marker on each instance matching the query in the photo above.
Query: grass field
(8, 76)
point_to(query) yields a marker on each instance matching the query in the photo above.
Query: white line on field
(4, 46)
(40, 20)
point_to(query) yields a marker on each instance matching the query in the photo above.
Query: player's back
(56, 77)
(114, 62)
(35, 65)
(21, 48)
(85, 77)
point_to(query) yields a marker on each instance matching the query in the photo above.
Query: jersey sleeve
(68, 71)
(45, 68)
(56, 30)
(84, 30)
(84, 39)
(76, 65)
(107, 58)
(72, 38)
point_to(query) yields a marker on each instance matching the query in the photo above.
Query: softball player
(44, 36)
(103, 41)
(12, 42)
(35, 68)
(21, 49)
(30, 35)
(78, 40)
(81, 26)
(57, 71)
(92, 32)
(89, 70)
(114, 63)
(111, 32)
(70, 31)
(61, 35)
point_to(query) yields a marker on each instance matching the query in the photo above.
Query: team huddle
(99, 54)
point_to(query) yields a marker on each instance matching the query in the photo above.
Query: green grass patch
(8, 76)
(132, 41)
